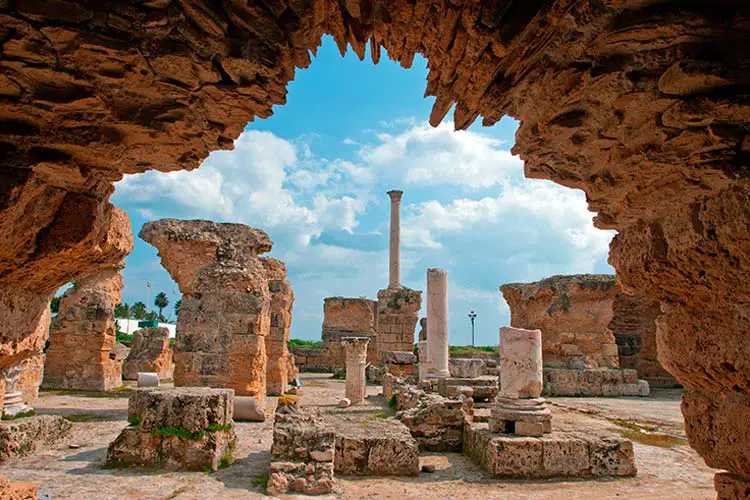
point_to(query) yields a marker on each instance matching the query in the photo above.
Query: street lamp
(148, 285)
(472, 315)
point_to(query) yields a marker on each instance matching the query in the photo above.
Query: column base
(522, 417)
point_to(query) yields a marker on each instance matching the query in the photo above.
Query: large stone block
(149, 352)
(373, 447)
(466, 367)
(31, 434)
(190, 408)
(437, 423)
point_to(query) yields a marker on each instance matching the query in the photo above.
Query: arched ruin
(643, 104)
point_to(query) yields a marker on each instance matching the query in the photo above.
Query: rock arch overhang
(643, 104)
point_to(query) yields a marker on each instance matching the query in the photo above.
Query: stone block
(17, 491)
(466, 367)
(189, 408)
(31, 434)
(610, 456)
(530, 429)
(397, 357)
(731, 487)
(373, 447)
(565, 456)
(149, 352)
(437, 423)
(515, 457)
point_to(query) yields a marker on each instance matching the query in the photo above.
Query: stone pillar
(520, 410)
(282, 300)
(424, 364)
(437, 322)
(225, 309)
(394, 275)
(356, 361)
(82, 336)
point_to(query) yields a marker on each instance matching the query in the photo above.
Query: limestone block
(246, 408)
(466, 367)
(190, 408)
(611, 456)
(516, 457)
(149, 352)
(31, 434)
(565, 456)
(367, 447)
(437, 423)
(520, 363)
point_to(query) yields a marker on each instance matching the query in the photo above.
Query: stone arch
(643, 104)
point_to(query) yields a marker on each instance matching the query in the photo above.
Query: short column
(437, 322)
(520, 410)
(356, 361)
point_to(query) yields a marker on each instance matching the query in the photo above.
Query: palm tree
(138, 310)
(54, 305)
(122, 311)
(177, 307)
(161, 301)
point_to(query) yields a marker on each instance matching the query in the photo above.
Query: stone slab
(31, 434)
(368, 446)
(555, 455)
(595, 382)
(190, 408)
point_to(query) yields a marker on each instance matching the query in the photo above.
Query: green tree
(151, 316)
(161, 301)
(138, 310)
(177, 307)
(54, 306)
(123, 311)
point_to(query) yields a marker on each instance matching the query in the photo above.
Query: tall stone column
(394, 275)
(424, 365)
(356, 361)
(437, 322)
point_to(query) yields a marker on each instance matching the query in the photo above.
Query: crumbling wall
(348, 317)
(398, 313)
(278, 370)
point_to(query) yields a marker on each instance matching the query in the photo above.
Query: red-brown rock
(282, 299)
(149, 352)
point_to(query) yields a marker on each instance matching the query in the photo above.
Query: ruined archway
(642, 104)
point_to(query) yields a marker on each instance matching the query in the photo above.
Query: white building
(131, 325)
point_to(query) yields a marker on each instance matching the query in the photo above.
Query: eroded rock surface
(639, 104)
(149, 352)
(225, 310)
(348, 317)
(278, 369)
(82, 336)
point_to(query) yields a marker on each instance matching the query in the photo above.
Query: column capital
(395, 195)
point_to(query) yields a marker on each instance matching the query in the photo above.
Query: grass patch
(86, 417)
(261, 480)
(648, 435)
(393, 402)
(186, 434)
(115, 464)
(23, 414)
(124, 338)
(304, 343)
(469, 349)
(120, 392)
(135, 421)
(226, 460)
(213, 427)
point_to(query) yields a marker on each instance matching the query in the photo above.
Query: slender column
(437, 322)
(424, 365)
(356, 361)
(394, 276)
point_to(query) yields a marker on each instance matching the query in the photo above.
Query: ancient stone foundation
(181, 428)
(225, 311)
(149, 352)
(607, 383)
(437, 423)
(29, 435)
(303, 452)
(82, 336)
(277, 352)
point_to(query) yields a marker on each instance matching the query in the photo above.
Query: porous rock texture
(639, 103)
(282, 299)
(82, 336)
(398, 313)
(348, 317)
(437, 423)
(225, 309)
(149, 352)
(25, 377)
(27, 435)
(573, 313)
(17, 491)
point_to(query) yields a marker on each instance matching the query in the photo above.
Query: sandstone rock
(149, 352)
(28, 435)
(25, 377)
(398, 312)
(82, 336)
(221, 279)
(17, 491)
(181, 428)
(278, 370)
(572, 312)
(120, 352)
(399, 363)
(437, 423)
(373, 447)
(348, 317)
(466, 367)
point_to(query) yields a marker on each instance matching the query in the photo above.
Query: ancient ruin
(581, 356)
(277, 352)
(225, 311)
(639, 104)
(356, 361)
(186, 428)
(437, 323)
(149, 352)
(82, 336)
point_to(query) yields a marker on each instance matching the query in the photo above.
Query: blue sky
(314, 176)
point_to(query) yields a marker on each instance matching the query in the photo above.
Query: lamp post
(148, 301)
(472, 315)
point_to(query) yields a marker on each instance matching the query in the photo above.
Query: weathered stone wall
(398, 313)
(149, 352)
(30, 374)
(82, 336)
(311, 359)
(225, 309)
(634, 327)
(573, 313)
(348, 317)
(282, 299)
(641, 105)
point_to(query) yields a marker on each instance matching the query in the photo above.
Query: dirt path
(667, 467)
